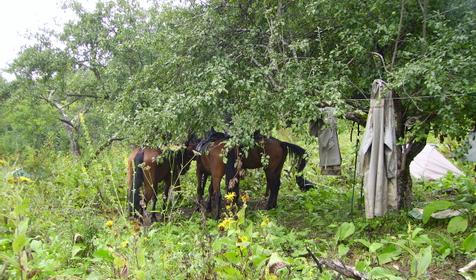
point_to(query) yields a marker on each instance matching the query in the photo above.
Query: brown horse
(147, 168)
(212, 164)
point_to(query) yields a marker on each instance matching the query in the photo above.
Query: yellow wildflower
(109, 223)
(19, 180)
(225, 224)
(243, 238)
(230, 196)
(3, 162)
(124, 244)
(243, 241)
(228, 207)
(23, 179)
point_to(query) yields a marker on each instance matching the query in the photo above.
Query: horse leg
(231, 174)
(202, 179)
(234, 187)
(137, 180)
(165, 196)
(273, 182)
(217, 195)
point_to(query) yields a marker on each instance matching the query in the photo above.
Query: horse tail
(137, 182)
(298, 155)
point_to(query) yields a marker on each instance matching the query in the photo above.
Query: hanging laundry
(329, 152)
(377, 158)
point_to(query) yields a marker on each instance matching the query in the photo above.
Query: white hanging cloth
(377, 158)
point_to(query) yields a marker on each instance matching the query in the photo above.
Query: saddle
(209, 138)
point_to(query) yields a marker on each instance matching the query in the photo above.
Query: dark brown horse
(212, 164)
(147, 168)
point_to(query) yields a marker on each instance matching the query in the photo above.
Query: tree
(158, 74)
(268, 65)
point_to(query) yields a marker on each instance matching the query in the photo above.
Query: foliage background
(150, 76)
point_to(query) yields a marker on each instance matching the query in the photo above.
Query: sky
(18, 18)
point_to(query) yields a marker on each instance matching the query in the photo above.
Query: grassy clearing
(69, 223)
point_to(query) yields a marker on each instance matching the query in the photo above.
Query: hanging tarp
(377, 158)
(329, 151)
(430, 164)
(471, 155)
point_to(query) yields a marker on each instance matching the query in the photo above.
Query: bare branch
(381, 59)
(423, 7)
(355, 117)
(69, 123)
(270, 77)
(84, 95)
(338, 266)
(400, 26)
(101, 148)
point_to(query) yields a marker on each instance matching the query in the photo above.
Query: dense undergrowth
(68, 221)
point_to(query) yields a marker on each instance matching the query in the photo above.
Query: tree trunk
(71, 130)
(404, 179)
(73, 140)
(405, 154)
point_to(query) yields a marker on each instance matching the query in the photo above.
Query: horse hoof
(269, 207)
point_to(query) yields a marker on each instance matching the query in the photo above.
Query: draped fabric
(471, 155)
(329, 151)
(377, 158)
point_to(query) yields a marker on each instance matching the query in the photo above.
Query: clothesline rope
(415, 97)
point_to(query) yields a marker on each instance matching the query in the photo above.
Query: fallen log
(466, 270)
(338, 266)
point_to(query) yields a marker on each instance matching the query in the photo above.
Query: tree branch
(400, 26)
(381, 59)
(423, 7)
(340, 267)
(101, 148)
(84, 95)
(69, 123)
(355, 117)
(270, 77)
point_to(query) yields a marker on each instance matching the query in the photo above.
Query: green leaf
(232, 257)
(76, 249)
(22, 226)
(389, 253)
(230, 272)
(361, 265)
(383, 273)
(374, 247)
(423, 260)
(435, 206)
(103, 254)
(469, 244)
(342, 250)
(363, 242)
(416, 231)
(36, 245)
(457, 224)
(259, 260)
(345, 230)
(18, 243)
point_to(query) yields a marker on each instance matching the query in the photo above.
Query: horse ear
(192, 138)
